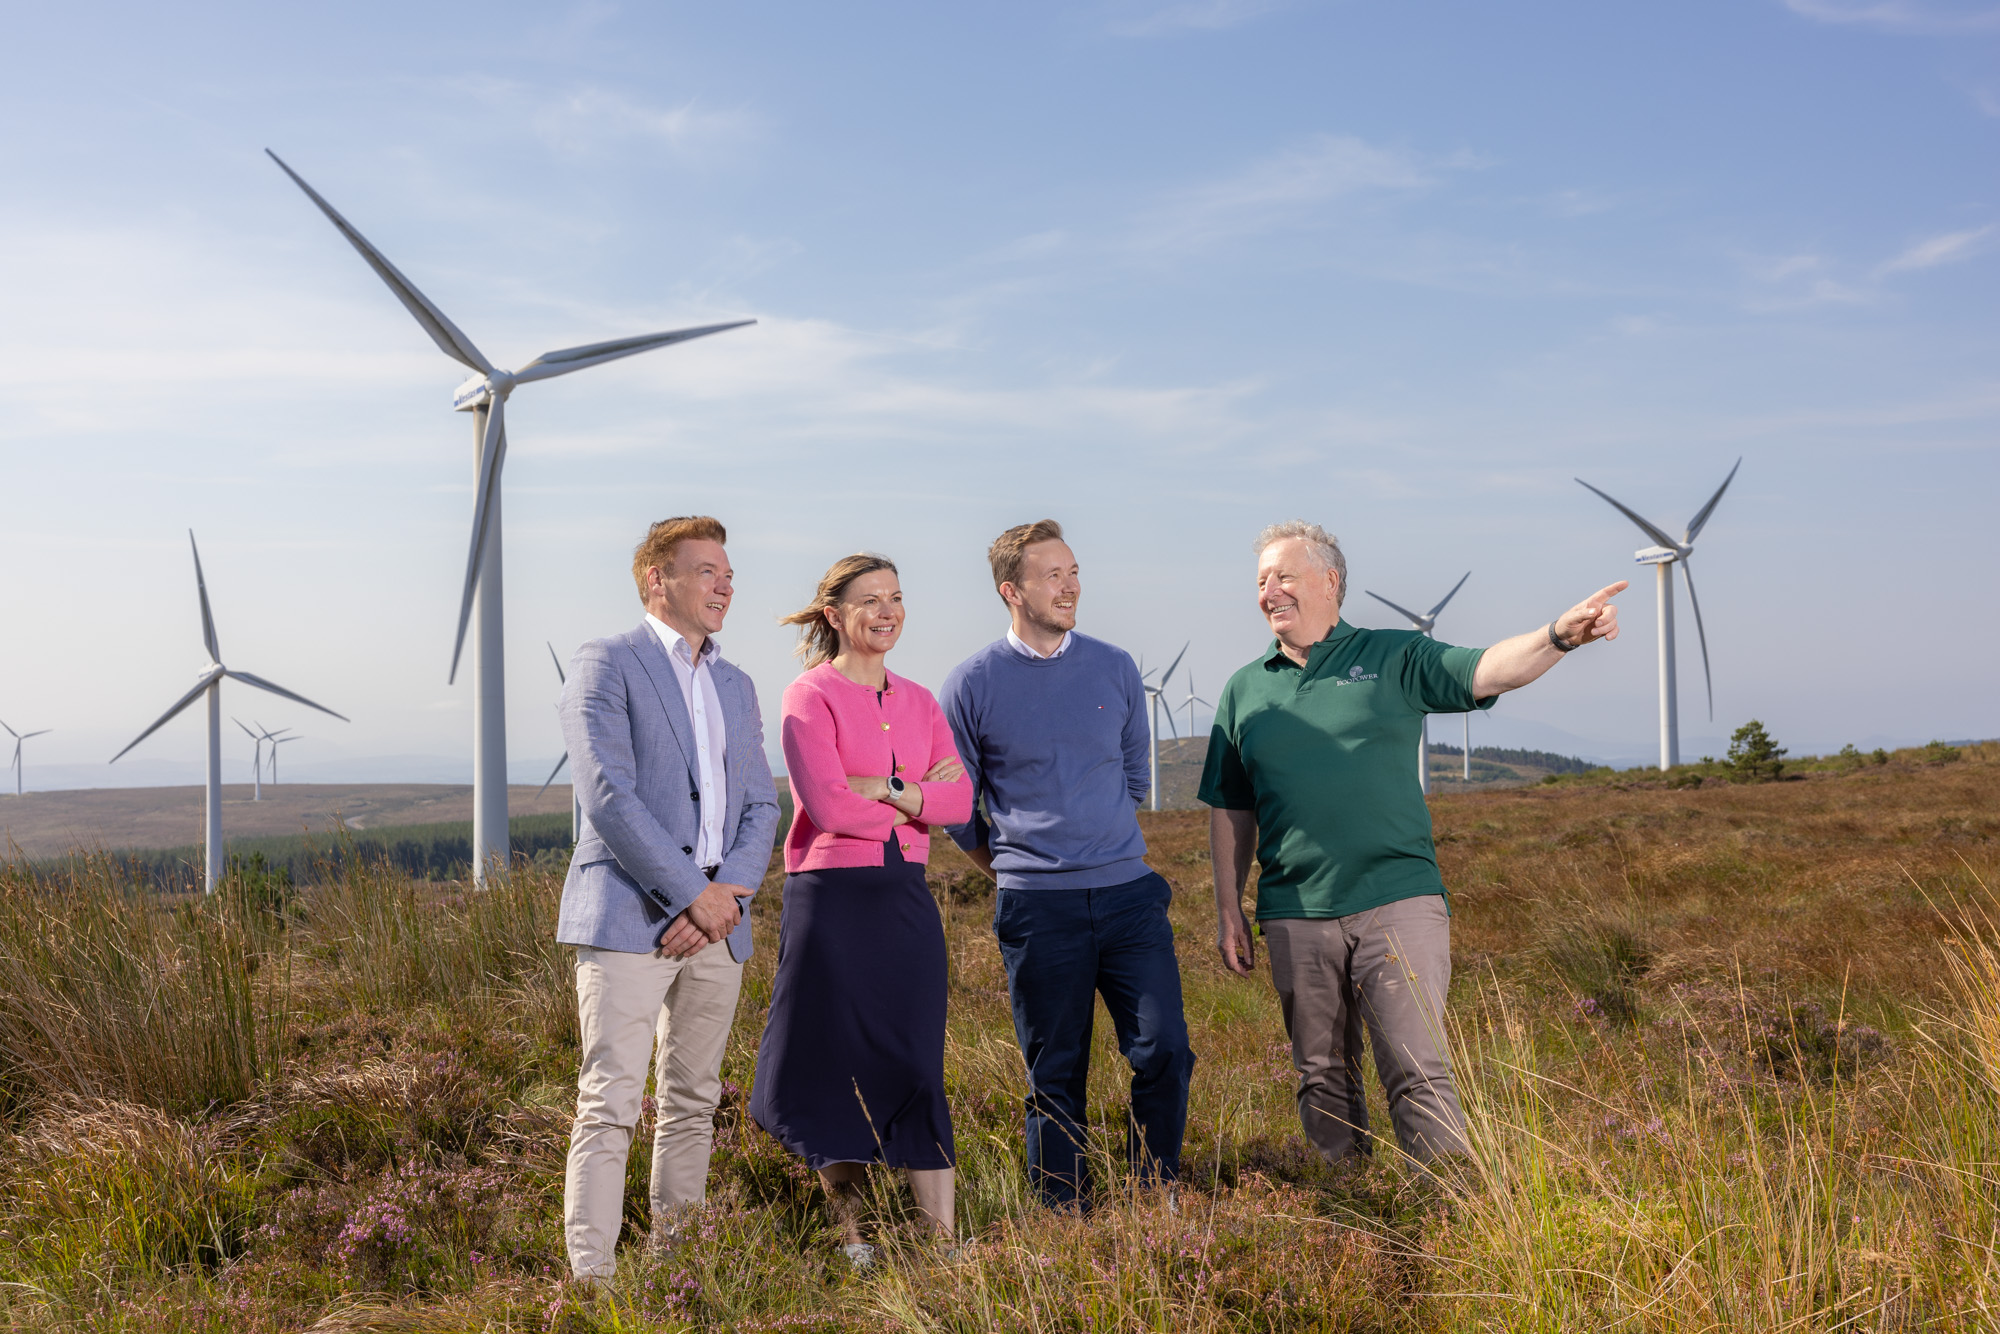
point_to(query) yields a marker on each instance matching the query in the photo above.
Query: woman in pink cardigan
(851, 1067)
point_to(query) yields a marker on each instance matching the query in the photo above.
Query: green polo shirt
(1325, 754)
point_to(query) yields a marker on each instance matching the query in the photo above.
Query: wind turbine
(1424, 624)
(256, 765)
(278, 740)
(1663, 558)
(209, 683)
(1155, 695)
(575, 799)
(1192, 700)
(19, 737)
(485, 397)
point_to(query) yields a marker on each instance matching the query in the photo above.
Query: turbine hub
(481, 390)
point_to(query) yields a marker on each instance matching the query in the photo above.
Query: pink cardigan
(834, 727)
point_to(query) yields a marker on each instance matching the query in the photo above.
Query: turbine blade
(207, 620)
(1175, 663)
(1694, 524)
(551, 364)
(1168, 711)
(492, 450)
(10, 731)
(1700, 634)
(207, 679)
(553, 772)
(258, 681)
(450, 340)
(1647, 527)
(1449, 596)
(44, 732)
(1414, 619)
(558, 662)
(246, 731)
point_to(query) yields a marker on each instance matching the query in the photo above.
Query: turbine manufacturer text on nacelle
(481, 390)
(1656, 555)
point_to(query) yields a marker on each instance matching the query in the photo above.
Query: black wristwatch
(897, 787)
(1560, 644)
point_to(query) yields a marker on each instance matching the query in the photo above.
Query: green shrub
(1754, 755)
(1937, 752)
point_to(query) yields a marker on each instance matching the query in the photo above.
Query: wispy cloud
(1283, 190)
(1900, 15)
(1946, 249)
(1153, 20)
(592, 120)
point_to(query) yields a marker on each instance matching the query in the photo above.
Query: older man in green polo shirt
(1309, 765)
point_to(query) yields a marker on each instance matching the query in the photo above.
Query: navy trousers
(1062, 948)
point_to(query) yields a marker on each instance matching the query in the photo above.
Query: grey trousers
(1387, 968)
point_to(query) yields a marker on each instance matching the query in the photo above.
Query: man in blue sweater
(1051, 726)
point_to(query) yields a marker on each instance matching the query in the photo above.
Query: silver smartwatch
(897, 787)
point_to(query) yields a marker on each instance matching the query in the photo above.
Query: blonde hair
(1010, 547)
(818, 640)
(664, 538)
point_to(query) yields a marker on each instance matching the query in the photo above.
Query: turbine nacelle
(1658, 555)
(481, 390)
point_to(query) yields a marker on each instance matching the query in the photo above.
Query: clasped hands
(911, 804)
(712, 916)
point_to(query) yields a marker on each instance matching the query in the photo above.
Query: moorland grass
(1731, 1054)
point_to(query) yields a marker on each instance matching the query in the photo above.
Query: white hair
(1324, 546)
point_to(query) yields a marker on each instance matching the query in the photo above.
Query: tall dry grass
(108, 991)
(1731, 1054)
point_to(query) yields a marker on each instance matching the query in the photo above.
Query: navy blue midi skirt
(851, 1067)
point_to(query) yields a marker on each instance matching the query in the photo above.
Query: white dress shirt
(711, 741)
(1020, 645)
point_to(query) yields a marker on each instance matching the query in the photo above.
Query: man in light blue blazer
(679, 813)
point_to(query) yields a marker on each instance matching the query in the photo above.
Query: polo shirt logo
(1355, 676)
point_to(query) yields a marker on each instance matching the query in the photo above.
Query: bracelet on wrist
(1558, 643)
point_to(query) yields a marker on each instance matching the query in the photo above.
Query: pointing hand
(1592, 619)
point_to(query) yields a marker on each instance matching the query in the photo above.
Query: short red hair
(664, 538)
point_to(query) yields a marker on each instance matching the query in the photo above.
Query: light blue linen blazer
(632, 756)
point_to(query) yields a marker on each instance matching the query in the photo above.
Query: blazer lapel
(667, 685)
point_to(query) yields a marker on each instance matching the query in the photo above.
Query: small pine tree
(1754, 755)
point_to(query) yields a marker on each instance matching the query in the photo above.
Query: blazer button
(885, 727)
(688, 851)
(694, 796)
(906, 847)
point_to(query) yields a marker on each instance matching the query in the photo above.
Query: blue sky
(1165, 271)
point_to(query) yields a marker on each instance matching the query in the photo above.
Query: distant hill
(1493, 767)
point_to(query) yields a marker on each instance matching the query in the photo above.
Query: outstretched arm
(1513, 663)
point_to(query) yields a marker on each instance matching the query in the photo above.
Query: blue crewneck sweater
(1056, 749)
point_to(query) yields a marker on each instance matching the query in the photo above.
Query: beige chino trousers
(640, 1010)
(1387, 970)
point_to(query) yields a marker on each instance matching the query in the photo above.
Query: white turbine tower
(1663, 558)
(485, 397)
(1424, 624)
(210, 684)
(1155, 696)
(17, 766)
(575, 798)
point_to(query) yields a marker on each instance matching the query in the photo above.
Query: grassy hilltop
(1731, 1054)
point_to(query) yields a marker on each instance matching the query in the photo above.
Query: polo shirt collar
(1315, 655)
